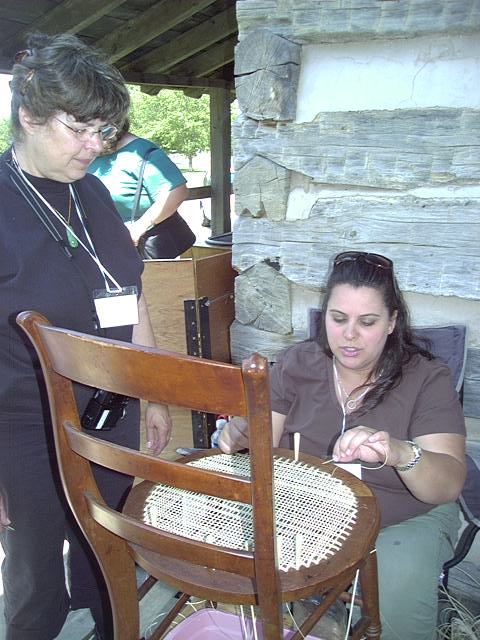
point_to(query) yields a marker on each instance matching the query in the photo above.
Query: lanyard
(107, 276)
(346, 404)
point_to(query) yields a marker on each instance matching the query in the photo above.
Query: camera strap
(17, 180)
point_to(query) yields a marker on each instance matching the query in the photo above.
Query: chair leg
(312, 619)
(170, 617)
(121, 582)
(369, 587)
(271, 620)
(145, 587)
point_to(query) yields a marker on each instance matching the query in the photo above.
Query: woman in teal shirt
(163, 190)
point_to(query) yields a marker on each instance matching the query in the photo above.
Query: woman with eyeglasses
(65, 252)
(364, 392)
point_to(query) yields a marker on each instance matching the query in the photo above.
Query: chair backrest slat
(175, 546)
(100, 362)
(175, 474)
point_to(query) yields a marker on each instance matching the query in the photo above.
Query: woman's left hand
(365, 444)
(4, 519)
(159, 427)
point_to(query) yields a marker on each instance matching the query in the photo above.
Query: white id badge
(355, 468)
(116, 308)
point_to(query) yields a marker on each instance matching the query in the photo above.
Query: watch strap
(417, 456)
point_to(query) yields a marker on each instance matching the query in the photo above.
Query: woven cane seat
(314, 511)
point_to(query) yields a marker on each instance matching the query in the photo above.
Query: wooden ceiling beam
(176, 81)
(158, 19)
(186, 45)
(208, 62)
(205, 63)
(24, 13)
(70, 16)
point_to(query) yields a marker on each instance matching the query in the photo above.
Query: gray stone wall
(375, 158)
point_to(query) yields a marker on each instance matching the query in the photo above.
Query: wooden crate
(191, 306)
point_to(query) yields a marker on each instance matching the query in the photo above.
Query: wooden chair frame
(121, 539)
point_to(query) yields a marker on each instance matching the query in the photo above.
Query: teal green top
(119, 172)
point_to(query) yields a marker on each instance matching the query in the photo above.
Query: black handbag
(167, 239)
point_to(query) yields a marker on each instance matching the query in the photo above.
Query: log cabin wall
(359, 129)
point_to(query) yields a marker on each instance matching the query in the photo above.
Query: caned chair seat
(306, 543)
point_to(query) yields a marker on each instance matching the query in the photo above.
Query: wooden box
(191, 306)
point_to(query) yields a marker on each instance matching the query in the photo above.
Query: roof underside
(175, 43)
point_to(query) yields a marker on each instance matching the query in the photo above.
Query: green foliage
(175, 122)
(5, 138)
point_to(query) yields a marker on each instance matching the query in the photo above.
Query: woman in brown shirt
(364, 391)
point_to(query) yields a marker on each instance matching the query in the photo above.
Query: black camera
(104, 410)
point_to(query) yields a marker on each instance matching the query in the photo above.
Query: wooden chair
(192, 566)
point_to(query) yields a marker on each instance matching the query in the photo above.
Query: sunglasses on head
(375, 259)
(21, 55)
(18, 58)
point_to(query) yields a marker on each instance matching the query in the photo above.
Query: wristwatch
(417, 456)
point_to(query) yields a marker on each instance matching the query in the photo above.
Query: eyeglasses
(108, 132)
(374, 259)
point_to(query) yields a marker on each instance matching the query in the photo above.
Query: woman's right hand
(365, 444)
(234, 435)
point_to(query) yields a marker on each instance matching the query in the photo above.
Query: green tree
(5, 137)
(175, 122)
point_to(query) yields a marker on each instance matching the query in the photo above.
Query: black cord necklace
(18, 181)
(71, 237)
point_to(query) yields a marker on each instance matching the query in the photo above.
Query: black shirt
(37, 274)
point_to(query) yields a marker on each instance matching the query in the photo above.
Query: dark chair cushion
(448, 344)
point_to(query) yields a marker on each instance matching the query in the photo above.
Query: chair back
(470, 502)
(470, 497)
(448, 343)
(69, 357)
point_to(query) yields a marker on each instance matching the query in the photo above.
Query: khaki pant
(410, 560)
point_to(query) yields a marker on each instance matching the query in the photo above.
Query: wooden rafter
(148, 26)
(212, 59)
(70, 16)
(188, 44)
(175, 81)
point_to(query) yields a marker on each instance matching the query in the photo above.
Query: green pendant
(72, 240)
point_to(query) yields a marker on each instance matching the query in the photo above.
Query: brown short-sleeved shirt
(424, 402)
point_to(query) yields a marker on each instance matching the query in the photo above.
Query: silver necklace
(350, 403)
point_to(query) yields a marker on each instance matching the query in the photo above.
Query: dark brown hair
(62, 74)
(400, 345)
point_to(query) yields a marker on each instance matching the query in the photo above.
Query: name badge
(355, 468)
(116, 308)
